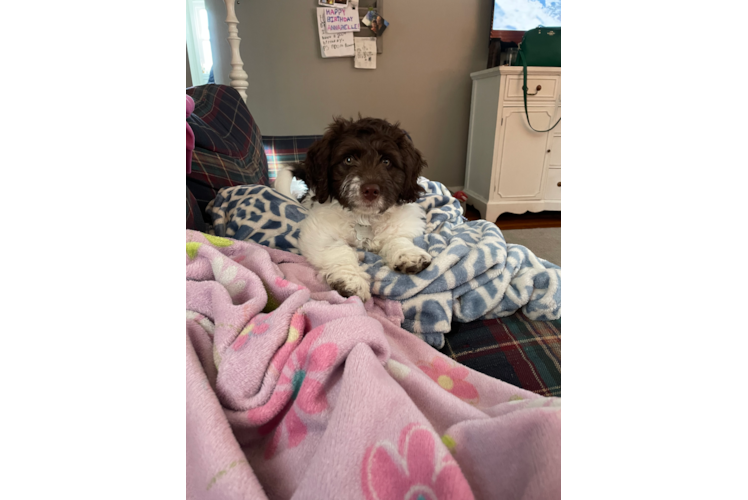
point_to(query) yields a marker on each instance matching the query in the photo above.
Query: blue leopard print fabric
(257, 213)
(474, 273)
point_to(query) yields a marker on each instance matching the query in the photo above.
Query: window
(198, 42)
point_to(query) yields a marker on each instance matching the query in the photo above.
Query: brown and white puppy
(362, 179)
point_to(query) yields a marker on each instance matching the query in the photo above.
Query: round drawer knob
(537, 89)
(559, 184)
(548, 151)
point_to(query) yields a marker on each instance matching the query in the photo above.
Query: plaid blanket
(228, 144)
(474, 273)
(514, 349)
(282, 150)
(194, 217)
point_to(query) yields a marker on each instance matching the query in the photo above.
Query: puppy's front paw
(411, 261)
(348, 283)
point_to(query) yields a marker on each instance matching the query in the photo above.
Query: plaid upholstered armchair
(230, 149)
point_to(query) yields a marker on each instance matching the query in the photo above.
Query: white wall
(422, 78)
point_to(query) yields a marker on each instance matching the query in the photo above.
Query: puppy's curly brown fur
(370, 150)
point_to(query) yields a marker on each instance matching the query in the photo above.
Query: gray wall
(422, 78)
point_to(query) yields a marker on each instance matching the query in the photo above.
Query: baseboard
(454, 189)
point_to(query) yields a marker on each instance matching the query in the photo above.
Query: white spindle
(238, 75)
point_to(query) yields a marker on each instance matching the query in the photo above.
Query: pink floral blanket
(296, 392)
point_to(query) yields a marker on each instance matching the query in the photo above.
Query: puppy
(362, 178)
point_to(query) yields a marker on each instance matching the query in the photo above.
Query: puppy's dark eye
(386, 162)
(349, 160)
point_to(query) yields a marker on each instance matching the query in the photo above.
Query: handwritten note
(341, 20)
(366, 53)
(333, 44)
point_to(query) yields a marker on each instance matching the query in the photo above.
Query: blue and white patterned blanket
(474, 274)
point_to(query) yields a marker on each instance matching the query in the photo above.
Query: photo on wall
(339, 4)
(376, 22)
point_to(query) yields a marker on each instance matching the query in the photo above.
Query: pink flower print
(417, 469)
(225, 274)
(295, 332)
(451, 377)
(299, 392)
(281, 282)
(257, 327)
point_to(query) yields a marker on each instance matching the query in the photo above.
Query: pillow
(228, 143)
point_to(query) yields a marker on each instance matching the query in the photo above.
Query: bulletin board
(363, 8)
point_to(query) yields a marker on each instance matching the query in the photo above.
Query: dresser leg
(493, 212)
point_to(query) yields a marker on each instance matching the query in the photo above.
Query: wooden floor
(528, 220)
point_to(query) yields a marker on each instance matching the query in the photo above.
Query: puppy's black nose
(370, 192)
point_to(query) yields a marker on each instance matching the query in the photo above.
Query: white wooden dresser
(510, 167)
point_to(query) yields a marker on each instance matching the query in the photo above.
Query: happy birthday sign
(333, 44)
(341, 20)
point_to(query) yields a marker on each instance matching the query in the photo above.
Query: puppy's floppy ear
(413, 163)
(317, 162)
(316, 165)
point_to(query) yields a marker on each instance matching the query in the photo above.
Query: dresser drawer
(553, 184)
(549, 88)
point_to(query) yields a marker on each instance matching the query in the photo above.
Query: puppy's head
(368, 165)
